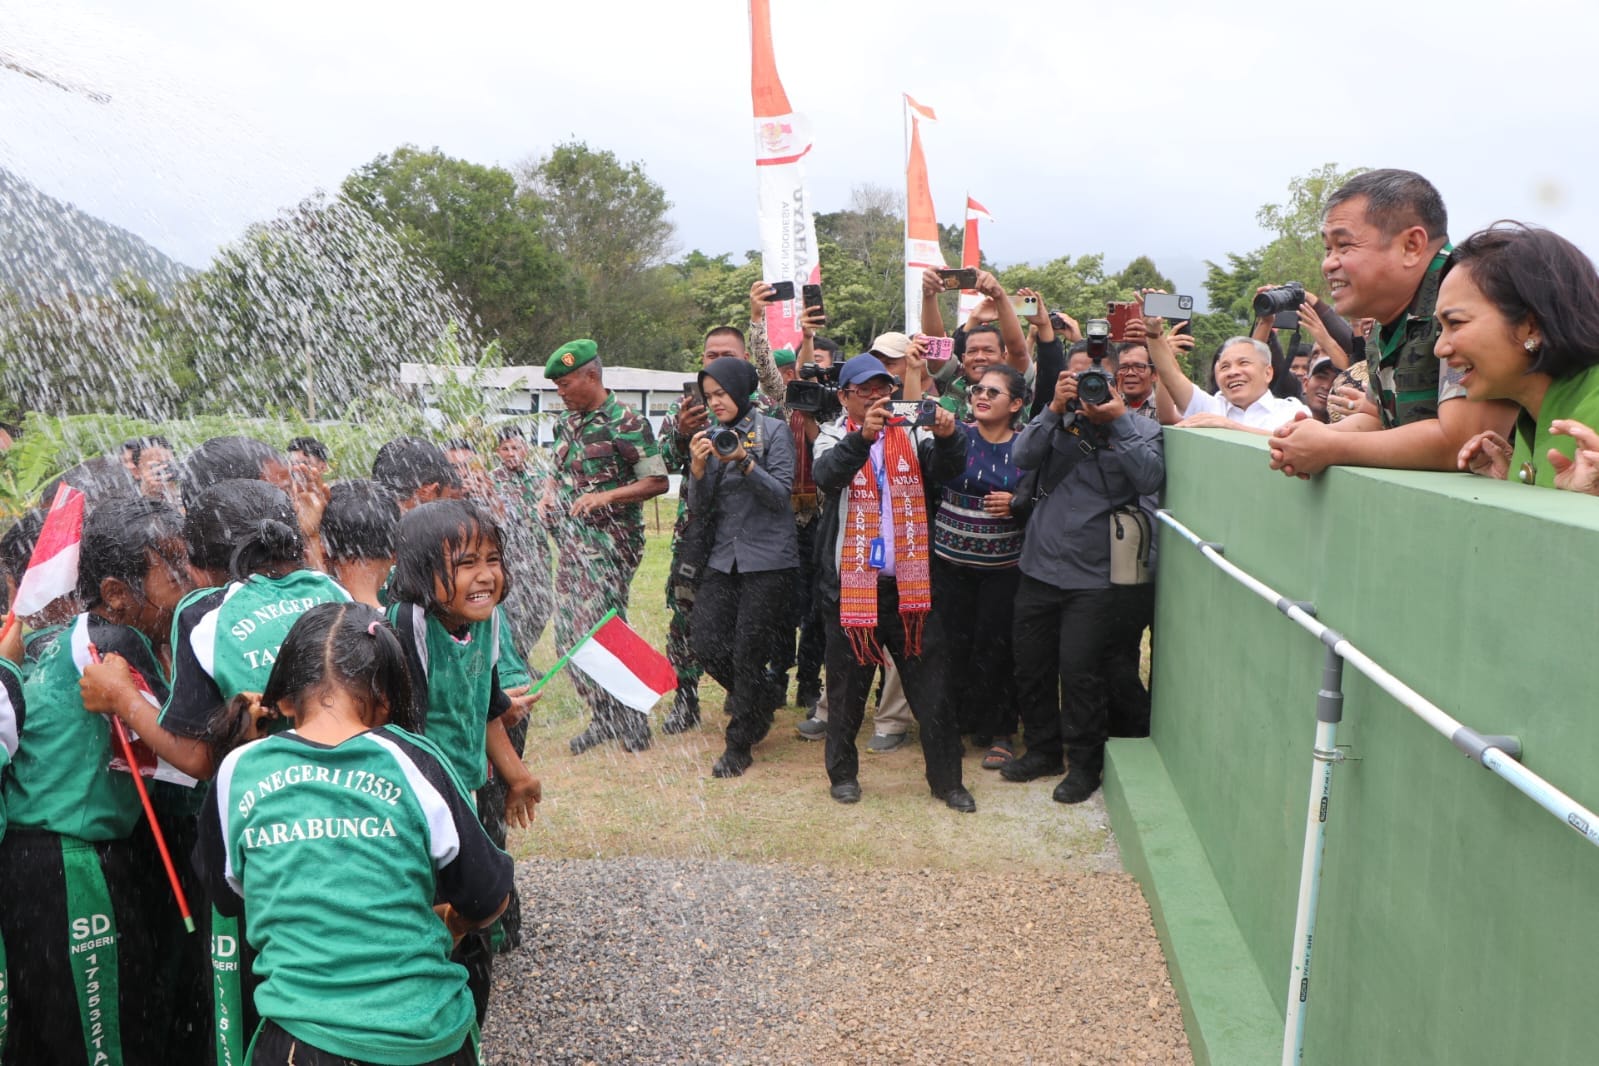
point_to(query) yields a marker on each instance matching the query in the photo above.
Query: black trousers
(806, 658)
(924, 678)
(46, 1026)
(491, 815)
(275, 1047)
(975, 608)
(1061, 640)
(1129, 699)
(737, 621)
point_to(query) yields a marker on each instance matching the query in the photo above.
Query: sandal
(999, 753)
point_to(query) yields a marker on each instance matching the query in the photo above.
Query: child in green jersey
(85, 895)
(336, 838)
(447, 586)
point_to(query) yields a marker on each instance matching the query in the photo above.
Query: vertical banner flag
(971, 255)
(782, 138)
(921, 225)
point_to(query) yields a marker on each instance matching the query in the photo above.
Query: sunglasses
(987, 392)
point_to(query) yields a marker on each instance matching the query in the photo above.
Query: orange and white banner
(782, 139)
(971, 254)
(921, 224)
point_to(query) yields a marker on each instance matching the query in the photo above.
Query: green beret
(784, 357)
(569, 356)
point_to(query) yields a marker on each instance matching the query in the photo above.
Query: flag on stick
(783, 210)
(921, 224)
(53, 568)
(621, 662)
(971, 255)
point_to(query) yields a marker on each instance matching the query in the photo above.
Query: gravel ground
(667, 961)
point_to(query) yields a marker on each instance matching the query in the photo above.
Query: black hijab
(737, 377)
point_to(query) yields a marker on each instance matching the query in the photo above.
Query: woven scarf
(857, 578)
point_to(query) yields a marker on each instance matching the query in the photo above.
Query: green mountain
(49, 248)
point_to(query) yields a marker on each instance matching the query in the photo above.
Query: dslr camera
(816, 393)
(1093, 384)
(724, 442)
(1276, 301)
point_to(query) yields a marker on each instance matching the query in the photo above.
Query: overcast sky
(1158, 128)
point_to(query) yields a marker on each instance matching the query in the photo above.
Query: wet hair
(430, 537)
(225, 459)
(242, 526)
(727, 331)
(342, 645)
(1396, 200)
(360, 521)
(136, 447)
(510, 432)
(1531, 273)
(405, 464)
(459, 444)
(119, 536)
(308, 446)
(16, 545)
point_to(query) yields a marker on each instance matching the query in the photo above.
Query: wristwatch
(746, 465)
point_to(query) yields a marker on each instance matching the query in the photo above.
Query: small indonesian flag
(53, 569)
(622, 663)
(975, 211)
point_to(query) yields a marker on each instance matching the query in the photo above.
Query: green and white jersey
(513, 666)
(12, 715)
(61, 778)
(336, 856)
(225, 640)
(455, 685)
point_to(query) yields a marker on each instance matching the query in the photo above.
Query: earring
(1531, 345)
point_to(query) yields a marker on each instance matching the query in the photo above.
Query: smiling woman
(1518, 312)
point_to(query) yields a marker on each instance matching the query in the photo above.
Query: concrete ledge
(1230, 1016)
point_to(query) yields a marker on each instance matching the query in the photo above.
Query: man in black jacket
(874, 582)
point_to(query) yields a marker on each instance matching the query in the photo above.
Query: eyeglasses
(987, 392)
(870, 391)
(1135, 368)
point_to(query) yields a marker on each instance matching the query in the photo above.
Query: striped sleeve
(474, 876)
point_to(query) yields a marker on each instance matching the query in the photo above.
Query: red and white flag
(53, 570)
(783, 210)
(971, 255)
(921, 224)
(622, 663)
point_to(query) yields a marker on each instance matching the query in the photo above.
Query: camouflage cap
(569, 356)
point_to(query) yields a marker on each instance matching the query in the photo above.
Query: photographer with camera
(875, 585)
(1094, 459)
(741, 522)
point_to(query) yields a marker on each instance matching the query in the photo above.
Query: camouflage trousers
(589, 582)
(678, 650)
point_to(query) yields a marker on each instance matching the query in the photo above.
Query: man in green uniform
(1386, 238)
(605, 465)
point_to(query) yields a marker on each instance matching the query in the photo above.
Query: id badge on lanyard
(878, 557)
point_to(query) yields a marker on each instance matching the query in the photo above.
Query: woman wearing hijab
(741, 469)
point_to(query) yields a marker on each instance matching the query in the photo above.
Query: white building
(524, 391)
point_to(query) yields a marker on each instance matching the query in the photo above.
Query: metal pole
(1329, 712)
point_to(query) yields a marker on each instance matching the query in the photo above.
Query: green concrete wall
(1459, 922)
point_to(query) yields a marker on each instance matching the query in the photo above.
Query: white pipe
(1309, 892)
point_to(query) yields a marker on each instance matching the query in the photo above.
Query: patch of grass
(664, 802)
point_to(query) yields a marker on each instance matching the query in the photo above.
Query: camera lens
(1283, 298)
(1093, 386)
(724, 442)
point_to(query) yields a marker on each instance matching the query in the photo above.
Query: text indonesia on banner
(921, 225)
(971, 256)
(621, 662)
(782, 138)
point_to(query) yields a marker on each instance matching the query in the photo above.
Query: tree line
(423, 257)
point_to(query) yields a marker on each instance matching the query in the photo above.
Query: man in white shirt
(1243, 398)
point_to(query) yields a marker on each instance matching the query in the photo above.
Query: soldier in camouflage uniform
(684, 419)
(605, 465)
